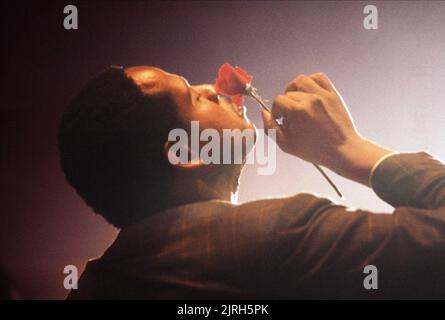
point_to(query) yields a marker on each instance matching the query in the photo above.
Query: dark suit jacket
(297, 247)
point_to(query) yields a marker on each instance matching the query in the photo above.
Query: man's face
(197, 102)
(200, 103)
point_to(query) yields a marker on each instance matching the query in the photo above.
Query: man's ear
(175, 161)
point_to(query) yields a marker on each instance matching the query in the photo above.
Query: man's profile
(182, 238)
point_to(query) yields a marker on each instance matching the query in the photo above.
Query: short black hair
(111, 141)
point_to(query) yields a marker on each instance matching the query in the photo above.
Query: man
(182, 238)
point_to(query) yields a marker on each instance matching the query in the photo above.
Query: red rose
(238, 100)
(232, 81)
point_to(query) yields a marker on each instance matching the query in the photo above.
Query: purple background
(391, 78)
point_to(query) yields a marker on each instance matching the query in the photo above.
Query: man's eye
(214, 98)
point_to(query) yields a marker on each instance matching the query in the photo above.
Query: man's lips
(239, 110)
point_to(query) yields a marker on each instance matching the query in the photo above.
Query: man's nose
(208, 91)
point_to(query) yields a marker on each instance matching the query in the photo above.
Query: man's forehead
(155, 79)
(148, 78)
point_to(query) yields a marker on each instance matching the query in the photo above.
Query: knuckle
(277, 101)
(278, 104)
(292, 95)
(299, 79)
(316, 100)
(332, 97)
(319, 75)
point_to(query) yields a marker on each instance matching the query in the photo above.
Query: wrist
(357, 158)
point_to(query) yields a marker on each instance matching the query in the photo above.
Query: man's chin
(255, 130)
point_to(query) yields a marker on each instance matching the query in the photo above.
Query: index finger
(281, 106)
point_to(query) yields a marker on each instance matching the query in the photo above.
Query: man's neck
(211, 187)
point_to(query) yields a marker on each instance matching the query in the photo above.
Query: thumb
(271, 124)
(269, 121)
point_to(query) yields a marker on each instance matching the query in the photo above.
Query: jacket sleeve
(410, 180)
(323, 251)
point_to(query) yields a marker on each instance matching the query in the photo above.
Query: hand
(318, 128)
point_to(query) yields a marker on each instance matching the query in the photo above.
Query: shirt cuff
(377, 164)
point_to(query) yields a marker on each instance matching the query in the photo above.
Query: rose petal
(231, 81)
(247, 78)
(238, 100)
